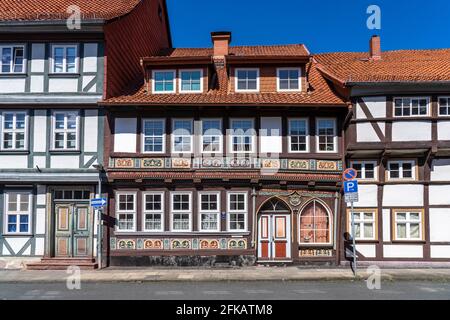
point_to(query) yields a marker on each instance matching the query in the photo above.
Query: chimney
(221, 41)
(375, 48)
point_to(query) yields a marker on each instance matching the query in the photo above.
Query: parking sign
(351, 186)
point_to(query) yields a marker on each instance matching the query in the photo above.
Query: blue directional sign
(351, 186)
(98, 202)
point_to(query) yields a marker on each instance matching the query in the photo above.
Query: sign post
(351, 195)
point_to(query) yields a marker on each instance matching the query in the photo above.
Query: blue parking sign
(351, 186)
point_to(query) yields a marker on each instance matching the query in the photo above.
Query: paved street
(261, 290)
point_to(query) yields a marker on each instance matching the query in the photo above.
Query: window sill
(65, 152)
(13, 75)
(18, 235)
(14, 152)
(408, 242)
(63, 75)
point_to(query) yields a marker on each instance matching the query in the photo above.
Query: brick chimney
(375, 48)
(221, 42)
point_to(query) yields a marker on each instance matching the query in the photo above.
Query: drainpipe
(336, 208)
(255, 220)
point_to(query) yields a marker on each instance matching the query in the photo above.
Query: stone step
(63, 264)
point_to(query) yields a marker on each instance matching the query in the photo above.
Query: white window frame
(174, 72)
(299, 79)
(163, 136)
(133, 212)
(144, 211)
(236, 79)
(408, 222)
(363, 169)
(14, 130)
(335, 145)
(173, 135)
(216, 212)
(12, 65)
(231, 135)
(7, 213)
(65, 46)
(172, 212)
(307, 135)
(209, 135)
(361, 223)
(180, 80)
(410, 107)
(244, 211)
(439, 107)
(65, 130)
(401, 162)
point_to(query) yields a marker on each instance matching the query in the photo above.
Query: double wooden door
(274, 237)
(73, 230)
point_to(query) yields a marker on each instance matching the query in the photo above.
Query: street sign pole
(99, 226)
(355, 268)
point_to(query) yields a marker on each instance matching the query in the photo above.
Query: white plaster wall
(40, 221)
(16, 243)
(86, 80)
(402, 251)
(40, 131)
(90, 57)
(64, 162)
(386, 225)
(439, 194)
(91, 131)
(411, 131)
(13, 162)
(125, 135)
(38, 57)
(41, 198)
(376, 106)
(37, 84)
(366, 133)
(367, 194)
(39, 249)
(270, 135)
(63, 85)
(440, 251)
(439, 224)
(12, 85)
(367, 250)
(39, 161)
(403, 195)
(88, 158)
(443, 128)
(440, 170)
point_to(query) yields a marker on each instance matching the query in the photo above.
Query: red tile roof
(394, 66)
(30, 10)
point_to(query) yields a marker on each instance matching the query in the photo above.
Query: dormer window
(164, 81)
(247, 80)
(191, 81)
(288, 79)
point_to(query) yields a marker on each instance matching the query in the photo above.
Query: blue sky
(323, 25)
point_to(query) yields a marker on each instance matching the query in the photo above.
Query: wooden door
(63, 230)
(81, 230)
(274, 237)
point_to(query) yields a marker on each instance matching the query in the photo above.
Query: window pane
(6, 60)
(401, 231)
(70, 59)
(414, 230)
(8, 121)
(18, 60)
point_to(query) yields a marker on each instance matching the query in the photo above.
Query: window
(14, 130)
(153, 211)
(407, 107)
(288, 79)
(211, 135)
(365, 224)
(326, 135)
(153, 131)
(401, 169)
(366, 170)
(209, 208)
(247, 80)
(237, 211)
(315, 224)
(242, 136)
(126, 211)
(18, 212)
(164, 81)
(64, 59)
(191, 81)
(182, 135)
(408, 225)
(13, 59)
(444, 106)
(181, 211)
(65, 130)
(298, 135)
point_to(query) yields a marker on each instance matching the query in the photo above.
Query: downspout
(255, 220)
(336, 208)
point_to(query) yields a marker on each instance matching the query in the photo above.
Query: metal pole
(99, 223)
(354, 241)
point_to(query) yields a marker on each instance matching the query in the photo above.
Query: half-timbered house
(398, 138)
(225, 155)
(53, 71)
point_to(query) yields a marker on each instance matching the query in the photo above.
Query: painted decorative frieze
(294, 164)
(316, 253)
(181, 163)
(270, 163)
(124, 163)
(181, 244)
(153, 244)
(152, 163)
(237, 244)
(126, 244)
(209, 244)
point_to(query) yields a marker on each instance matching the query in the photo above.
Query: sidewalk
(226, 274)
